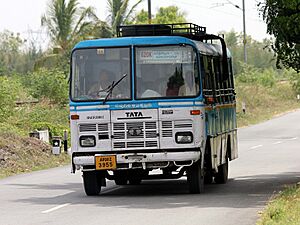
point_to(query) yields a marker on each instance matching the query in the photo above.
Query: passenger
(172, 87)
(189, 88)
(150, 91)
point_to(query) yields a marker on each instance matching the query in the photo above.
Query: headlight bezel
(84, 138)
(182, 135)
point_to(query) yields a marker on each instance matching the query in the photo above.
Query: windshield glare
(95, 71)
(166, 72)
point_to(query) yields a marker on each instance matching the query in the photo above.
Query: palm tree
(120, 12)
(67, 23)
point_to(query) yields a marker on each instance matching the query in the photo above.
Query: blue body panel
(130, 41)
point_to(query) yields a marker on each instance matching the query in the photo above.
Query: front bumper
(142, 160)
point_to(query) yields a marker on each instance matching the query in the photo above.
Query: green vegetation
(18, 152)
(283, 19)
(170, 14)
(283, 209)
(263, 103)
(120, 13)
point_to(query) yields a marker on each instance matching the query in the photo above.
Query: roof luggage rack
(189, 30)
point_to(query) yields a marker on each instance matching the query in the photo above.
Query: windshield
(96, 71)
(166, 72)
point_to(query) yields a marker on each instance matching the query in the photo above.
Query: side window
(207, 76)
(217, 75)
(231, 80)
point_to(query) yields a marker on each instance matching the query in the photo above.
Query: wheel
(135, 181)
(195, 178)
(222, 176)
(92, 182)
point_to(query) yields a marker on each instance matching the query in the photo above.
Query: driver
(99, 88)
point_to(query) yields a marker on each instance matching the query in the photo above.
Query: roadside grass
(263, 103)
(283, 209)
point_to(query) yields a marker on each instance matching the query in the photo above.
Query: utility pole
(244, 31)
(149, 11)
(244, 23)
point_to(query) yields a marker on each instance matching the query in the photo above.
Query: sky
(24, 16)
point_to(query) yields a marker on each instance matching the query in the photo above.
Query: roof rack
(189, 30)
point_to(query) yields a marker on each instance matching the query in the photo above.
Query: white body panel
(158, 126)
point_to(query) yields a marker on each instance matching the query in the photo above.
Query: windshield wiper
(112, 86)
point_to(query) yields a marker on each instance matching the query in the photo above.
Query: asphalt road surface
(269, 158)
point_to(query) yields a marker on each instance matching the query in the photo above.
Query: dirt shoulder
(24, 154)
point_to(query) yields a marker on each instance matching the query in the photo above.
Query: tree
(170, 14)
(10, 45)
(67, 23)
(260, 55)
(120, 12)
(283, 19)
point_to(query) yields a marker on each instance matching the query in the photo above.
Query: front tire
(92, 182)
(195, 178)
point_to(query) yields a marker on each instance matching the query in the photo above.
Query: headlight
(184, 137)
(87, 141)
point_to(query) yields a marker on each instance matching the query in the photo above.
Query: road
(269, 158)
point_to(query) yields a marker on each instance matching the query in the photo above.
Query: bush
(10, 91)
(294, 78)
(50, 84)
(252, 75)
(40, 116)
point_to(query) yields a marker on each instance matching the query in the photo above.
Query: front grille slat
(119, 145)
(118, 126)
(167, 133)
(151, 143)
(166, 124)
(151, 134)
(183, 124)
(87, 127)
(102, 126)
(119, 135)
(150, 125)
(135, 144)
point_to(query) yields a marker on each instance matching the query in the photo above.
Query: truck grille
(135, 135)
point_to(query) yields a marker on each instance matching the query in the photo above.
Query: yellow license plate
(107, 162)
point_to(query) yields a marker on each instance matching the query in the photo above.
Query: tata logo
(134, 114)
